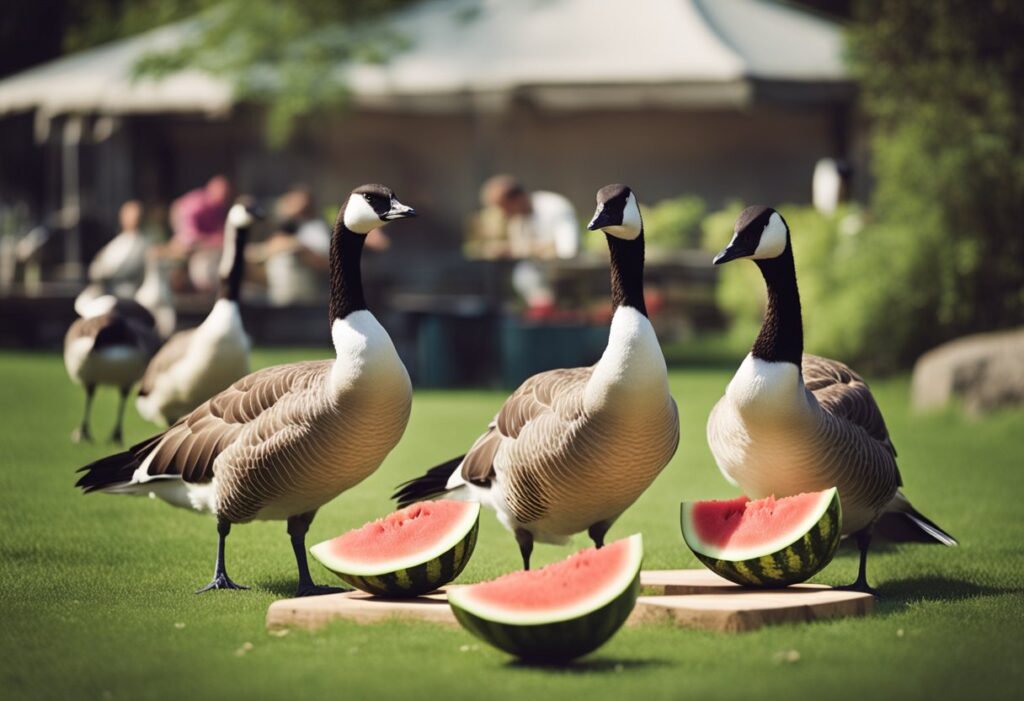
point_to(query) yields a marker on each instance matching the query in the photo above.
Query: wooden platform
(687, 598)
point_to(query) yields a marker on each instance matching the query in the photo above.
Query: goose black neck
(782, 334)
(346, 273)
(627, 268)
(231, 284)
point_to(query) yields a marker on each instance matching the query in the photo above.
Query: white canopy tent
(563, 53)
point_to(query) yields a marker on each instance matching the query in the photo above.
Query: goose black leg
(297, 527)
(598, 531)
(82, 432)
(525, 540)
(220, 574)
(863, 542)
(115, 437)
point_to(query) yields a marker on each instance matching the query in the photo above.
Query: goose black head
(618, 213)
(244, 212)
(761, 233)
(371, 206)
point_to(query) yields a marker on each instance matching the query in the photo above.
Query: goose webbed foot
(311, 589)
(81, 435)
(297, 527)
(221, 581)
(116, 437)
(861, 583)
(82, 432)
(859, 586)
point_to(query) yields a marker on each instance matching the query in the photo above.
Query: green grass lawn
(98, 603)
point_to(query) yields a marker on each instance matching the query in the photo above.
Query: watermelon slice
(558, 612)
(765, 543)
(413, 551)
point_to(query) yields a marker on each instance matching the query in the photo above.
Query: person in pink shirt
(198, 216)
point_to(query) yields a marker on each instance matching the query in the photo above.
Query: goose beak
(601, 219)
(398, 211)
(730, 252)
(257, 211)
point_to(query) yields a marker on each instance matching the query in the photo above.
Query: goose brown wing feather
(553, 394)
(191, 447)
(843, 393)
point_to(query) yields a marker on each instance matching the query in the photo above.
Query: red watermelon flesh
(563, 585)
(402, 534)
(742, 523)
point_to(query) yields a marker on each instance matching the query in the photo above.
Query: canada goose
(572, 449)
(791, 422)
(156, 296)
(282, 442)
(197, 363)
(109, 345)
(119, 266)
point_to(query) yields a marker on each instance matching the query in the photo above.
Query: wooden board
(702, 581)
(316, 611)
(744, 610)
(688, 598)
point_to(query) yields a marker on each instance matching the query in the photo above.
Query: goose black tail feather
(911, 526)
(116, 469)
(428, 486)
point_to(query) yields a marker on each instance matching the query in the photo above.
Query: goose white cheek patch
(631, 222)
(773, 239)
(360, 217)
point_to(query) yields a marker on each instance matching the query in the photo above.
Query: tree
(943, 84)
(285, 55)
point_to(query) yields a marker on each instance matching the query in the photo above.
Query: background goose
(156, 296)
(197, 363)
(109, 345)
(282, 442)
(791, 422)
(572, 449)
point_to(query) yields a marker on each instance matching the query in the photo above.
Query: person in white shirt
(297, 255)
(121, 264)
(538, 224)
(530, 226)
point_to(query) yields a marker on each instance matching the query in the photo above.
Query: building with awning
(721, 98)
(718, 97)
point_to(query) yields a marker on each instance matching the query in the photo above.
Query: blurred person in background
(120, 265)
(197, 222)
(538, 224)
(518, 224)
(297, 254)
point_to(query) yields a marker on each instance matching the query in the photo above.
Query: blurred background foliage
(942, 82)
(283, 55)
(940, 251)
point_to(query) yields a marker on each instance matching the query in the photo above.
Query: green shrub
(942, 253)
(674, 224)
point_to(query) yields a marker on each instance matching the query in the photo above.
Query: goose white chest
(628, 433)
(218, 354)
(359, 415)
(761, 432)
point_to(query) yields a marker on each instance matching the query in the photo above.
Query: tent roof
(565, 53)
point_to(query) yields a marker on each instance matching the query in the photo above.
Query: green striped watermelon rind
(419, 575)
(793, 559)
(555, 637)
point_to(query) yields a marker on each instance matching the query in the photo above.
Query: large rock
(985, 371)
